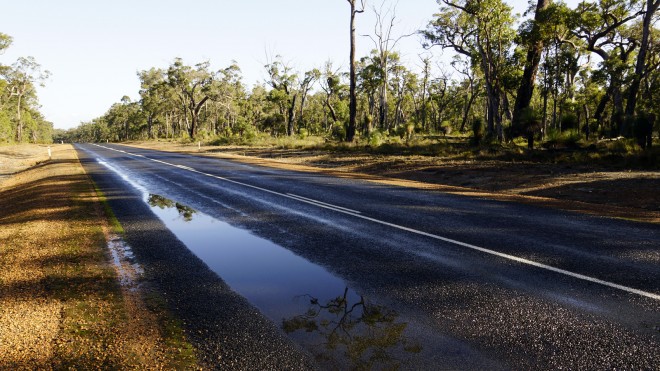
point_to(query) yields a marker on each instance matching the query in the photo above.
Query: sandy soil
(587, 188)
(61, 305)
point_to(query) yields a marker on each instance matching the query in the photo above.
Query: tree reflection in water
(361, 335)
(165, 203)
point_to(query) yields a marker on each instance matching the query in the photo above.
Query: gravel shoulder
(61, 303)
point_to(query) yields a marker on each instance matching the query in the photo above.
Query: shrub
(564, 139)
(643, 129)
(446, 128)
(376, 138)
(339, 132)
(478, 131)
(569, 121)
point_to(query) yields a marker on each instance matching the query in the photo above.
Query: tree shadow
(647, 192)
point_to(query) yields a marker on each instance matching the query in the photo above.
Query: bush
(339, 132)
(643, 129)
(446, 128)
(569, 121)
(564, 139)
(478, 131)
(376, 138)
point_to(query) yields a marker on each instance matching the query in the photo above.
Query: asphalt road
(482, 284)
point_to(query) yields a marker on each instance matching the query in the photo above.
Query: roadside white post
(199, 146)
(49, 154)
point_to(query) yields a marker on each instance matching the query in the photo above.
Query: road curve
(488, 284)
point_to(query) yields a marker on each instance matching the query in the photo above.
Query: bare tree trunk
(545, 115)
(291, 116)
(468, 107)
(19, 128)
(587, 130)
(352, 108)
(526, 89)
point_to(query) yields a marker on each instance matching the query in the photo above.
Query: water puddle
(128, 270)
(341, 328)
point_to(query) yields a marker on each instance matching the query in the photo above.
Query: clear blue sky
(93, 49)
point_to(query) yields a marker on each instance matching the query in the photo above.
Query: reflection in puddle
(354, 334)
(342, 331)
(165, 203)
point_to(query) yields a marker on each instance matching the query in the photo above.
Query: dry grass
(61, 305)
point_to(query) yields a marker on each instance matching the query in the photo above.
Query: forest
(554, 74)
(20, 118)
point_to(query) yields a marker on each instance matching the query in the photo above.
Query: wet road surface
(281, 269)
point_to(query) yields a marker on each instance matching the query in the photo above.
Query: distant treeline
(20, 119)
(593, 70)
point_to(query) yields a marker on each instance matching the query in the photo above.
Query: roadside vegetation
(20, 118)
(557, 77)
(61, 303)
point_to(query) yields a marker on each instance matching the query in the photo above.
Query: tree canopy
(592, 70)
(20, 118)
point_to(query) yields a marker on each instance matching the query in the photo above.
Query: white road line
(324, 203)
(185, 167)
(426, 234)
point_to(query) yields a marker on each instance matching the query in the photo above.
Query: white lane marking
(324, 203)
(434, 236)
(185, 167)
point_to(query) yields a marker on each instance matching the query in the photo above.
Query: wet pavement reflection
(341, 328)
(353, 334)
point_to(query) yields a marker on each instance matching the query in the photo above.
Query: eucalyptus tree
(422, 103)
(481, 30)
(21, 79)
(155, 96)
(305, 85)
(229, 101)
(602, 28)
(350, 131)
(194, 86)
(282, 78)
(404, 84)
(468, 87)
(534, 38)
(380, 65)
(641, 66)
(384, 43)
(333, 90)
(125, 119)
(369, 81)
(440, 96)
(5, 41)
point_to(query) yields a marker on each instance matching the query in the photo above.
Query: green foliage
(643, 129)
(556, 139)
(376, 138)
(446, 127)
(339, 132)
(478, 131)
(20, 119)
(7, 133)
(569, 121)
(399, 106)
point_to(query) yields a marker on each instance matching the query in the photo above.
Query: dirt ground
(589, 188)
(61, 303)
